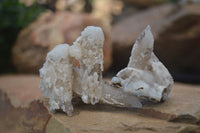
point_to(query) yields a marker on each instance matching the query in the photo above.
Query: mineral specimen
(57, 77)
(145, 75)
(61, 82)
(89, 76)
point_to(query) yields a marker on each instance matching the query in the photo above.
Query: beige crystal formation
(89, 76)
(61, 82)
(57, 77)
(145, 75)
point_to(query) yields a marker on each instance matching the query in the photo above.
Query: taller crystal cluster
(60, 80)
(89, 75)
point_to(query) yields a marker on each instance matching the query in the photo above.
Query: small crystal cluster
(145, 75)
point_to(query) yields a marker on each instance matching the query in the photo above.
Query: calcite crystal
(61, 81)
(57, 77)
(145, 75)
(89, 75)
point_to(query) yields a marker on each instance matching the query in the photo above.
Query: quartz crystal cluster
(145, 75)
(89, 76)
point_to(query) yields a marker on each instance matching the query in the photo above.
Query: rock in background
(178, 45)
(176, 32)
(126, 31)
(51, 29)
(144, 3)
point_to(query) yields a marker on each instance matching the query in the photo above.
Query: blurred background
(31, 28)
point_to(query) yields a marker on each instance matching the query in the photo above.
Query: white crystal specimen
(88, 82)
(145, 75)
(61, 81)
(57, 77)
(89, 75)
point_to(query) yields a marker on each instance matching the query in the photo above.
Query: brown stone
(18, 112)
(143, 3)
(21, 89)
(126, 31)
(189, 130)
(33, 116)
(178, 44)
(51, 29)
(182, 104)
(92, 121)
(176, 33)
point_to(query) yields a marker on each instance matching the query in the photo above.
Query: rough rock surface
(51, 29)
(168, 23)
(21, 88)
(183, 104)
(19, 112)
(181, 40)
(161, 117)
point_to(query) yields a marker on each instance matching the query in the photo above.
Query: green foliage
(13, 17)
